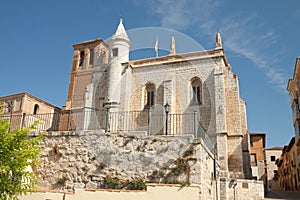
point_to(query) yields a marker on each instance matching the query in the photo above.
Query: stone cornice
(177, 58)
(89, 43)
(290, 85)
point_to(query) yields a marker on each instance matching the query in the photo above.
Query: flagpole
(156, 47)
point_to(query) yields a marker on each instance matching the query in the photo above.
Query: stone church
(103, 81)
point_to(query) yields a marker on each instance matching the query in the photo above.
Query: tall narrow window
(150, 95)
(35, 109)
(150, 98)
(91, 57)
(196, 90)
(81, 59)
(104, 58)
(115, 52)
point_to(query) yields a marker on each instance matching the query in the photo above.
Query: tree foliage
(17, 151)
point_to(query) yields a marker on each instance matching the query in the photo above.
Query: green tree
(17, 151)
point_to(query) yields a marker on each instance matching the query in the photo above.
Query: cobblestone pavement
(282, 195)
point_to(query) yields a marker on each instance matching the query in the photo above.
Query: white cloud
(181, 14)
(242, 34)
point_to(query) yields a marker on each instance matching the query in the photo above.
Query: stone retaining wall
(78, 160)
(73, 161)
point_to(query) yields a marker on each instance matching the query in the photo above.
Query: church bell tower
(119, 46)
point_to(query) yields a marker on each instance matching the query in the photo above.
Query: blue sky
(260, 38)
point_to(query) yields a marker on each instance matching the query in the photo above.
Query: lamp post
(167, 109)
(9, 108)
(233, 184)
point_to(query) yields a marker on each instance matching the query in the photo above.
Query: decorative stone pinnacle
(172, 46)
(218, 40)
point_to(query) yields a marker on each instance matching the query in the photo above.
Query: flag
(156, 47)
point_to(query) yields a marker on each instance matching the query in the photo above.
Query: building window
(245, 185)
(91, 57)
(115, 52)
(196, 91)
(150, 95)
(35, 109)
(296, 106)
(104, 57)
(10, 106)
(273, 158)
(253, 160)
(81, 59)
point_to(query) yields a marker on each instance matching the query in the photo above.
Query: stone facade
(294, 162)
(293, 89)
(120, 85)
(196, 82)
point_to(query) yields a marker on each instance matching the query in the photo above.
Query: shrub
(137, 184)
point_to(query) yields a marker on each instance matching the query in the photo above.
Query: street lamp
(167, 109)
(233, 184)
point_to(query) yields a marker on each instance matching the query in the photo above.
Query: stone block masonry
(88, 159)
(77, 160)
(241, 189)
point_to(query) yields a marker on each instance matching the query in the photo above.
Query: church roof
(120, 33)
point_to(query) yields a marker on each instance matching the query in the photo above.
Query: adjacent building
(24, 109)
(293, 89)
(288, 170)
(289, 163)
(257, 157)
(271, 155)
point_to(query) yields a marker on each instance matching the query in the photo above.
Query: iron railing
(150, 122)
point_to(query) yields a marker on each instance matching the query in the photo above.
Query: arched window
(196, 90)
(35, 109)
(91, 57)
(150, 95)
(81, 58)
(104, 57)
